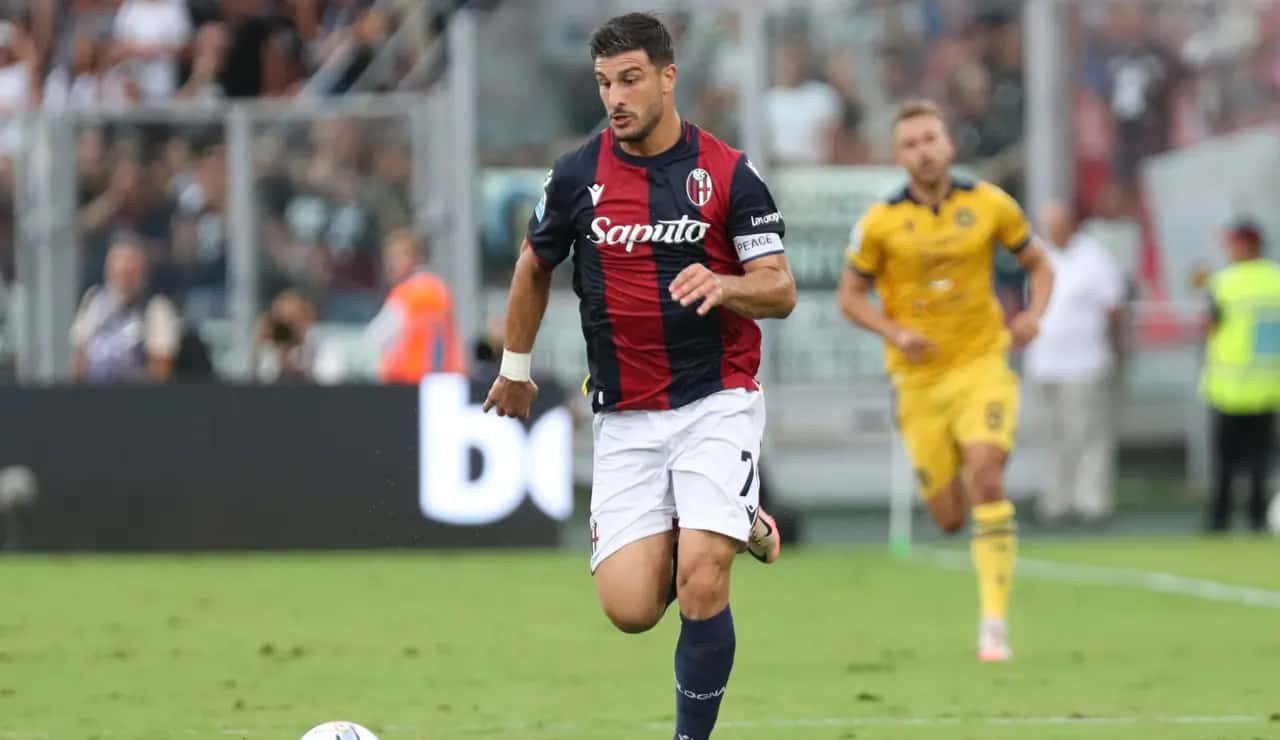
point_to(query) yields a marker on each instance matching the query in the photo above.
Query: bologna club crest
(698, 187)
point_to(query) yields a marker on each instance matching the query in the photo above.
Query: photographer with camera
(284, 351)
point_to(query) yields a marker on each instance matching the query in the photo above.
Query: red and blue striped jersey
(632, 224)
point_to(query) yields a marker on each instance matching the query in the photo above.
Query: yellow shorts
(971, 404)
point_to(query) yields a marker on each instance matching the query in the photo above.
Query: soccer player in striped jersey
(677, 248)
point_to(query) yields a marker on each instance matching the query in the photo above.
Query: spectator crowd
(328, 189)
(1150, 76)
(77, 54)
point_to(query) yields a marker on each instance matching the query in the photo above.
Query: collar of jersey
(681, 148)
(957, 184)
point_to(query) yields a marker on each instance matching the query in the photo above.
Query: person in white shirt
(86, 82)
(121, 333)
(150, 34)
(18, 90)
(803, 113)
(1071, 365)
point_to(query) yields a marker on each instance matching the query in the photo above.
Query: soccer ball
(339, 731)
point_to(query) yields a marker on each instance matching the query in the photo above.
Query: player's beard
(931, 174)
(930, 182)
(643, 126)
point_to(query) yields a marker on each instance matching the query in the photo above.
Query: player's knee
(987, 484)
(632, 625)
(633, 618)
(703, 588)
(947, 507)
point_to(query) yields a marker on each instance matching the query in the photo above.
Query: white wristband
(516, 365)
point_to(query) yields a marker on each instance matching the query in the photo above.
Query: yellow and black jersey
(933, 269)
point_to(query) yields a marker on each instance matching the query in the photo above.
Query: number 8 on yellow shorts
(971, 404)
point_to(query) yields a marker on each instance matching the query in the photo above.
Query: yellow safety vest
(1242, 363)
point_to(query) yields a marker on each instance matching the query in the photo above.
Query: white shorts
(696, 464)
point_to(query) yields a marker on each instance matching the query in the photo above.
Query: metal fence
(235, 201)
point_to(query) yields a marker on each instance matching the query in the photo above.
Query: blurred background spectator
(848, 144)
(86, 79)
(1142, 83)
(194, 198)
(148, 36)
(207, 63)
(1241, 377)
(1158, 76)
(331, 189)
(803, 112)
(120, 196)
(415, 330)
(122, 333)
(284, 349)
(1071, 364)
(19, 82)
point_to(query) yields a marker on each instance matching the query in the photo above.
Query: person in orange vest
(415, 329)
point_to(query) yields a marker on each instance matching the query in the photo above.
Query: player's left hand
(1024, 328)
(697, 282)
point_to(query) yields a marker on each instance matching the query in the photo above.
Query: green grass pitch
(836, 644)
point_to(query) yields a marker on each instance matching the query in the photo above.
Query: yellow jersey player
(928, 251)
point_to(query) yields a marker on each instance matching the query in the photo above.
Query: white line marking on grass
(1225, 719)
(1105, 575)
(782, 723)
(517, 729)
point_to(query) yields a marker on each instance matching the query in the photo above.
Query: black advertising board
(213, 467)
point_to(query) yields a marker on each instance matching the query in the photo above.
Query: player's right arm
(864, 261)
(514, 391)
(547, 245)
(527, 302)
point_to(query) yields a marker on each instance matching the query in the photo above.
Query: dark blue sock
(704, 657)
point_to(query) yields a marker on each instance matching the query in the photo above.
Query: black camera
(283, 333)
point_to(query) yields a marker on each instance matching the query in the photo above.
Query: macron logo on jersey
(596, 191)
(684, 230)
(771, 218)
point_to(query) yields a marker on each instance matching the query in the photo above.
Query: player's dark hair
(630, 32)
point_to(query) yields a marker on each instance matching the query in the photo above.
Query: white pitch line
(802, 722)
(1223, 719)
(1104, 575)
(765, 724)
